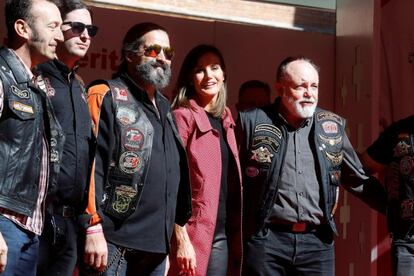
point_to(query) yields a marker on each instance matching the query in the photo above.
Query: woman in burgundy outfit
(210, 243)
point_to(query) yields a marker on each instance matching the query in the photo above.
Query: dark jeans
(217, 265)
(275, 253)
(58, 247)
(22, 249)
(402, 251)
(125, 262)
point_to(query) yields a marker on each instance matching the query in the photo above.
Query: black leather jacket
(27, 115)
(263, 149)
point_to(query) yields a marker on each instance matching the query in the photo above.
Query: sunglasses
(79, 27)
(155, 49)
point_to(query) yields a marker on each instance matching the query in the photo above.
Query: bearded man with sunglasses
(141, 175)
(67, 201)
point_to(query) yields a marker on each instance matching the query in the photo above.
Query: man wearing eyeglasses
(31, 139)
(68, 199)
(141, 176)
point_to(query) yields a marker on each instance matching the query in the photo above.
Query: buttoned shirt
(298, 197)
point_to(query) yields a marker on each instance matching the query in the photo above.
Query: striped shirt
(33, 224)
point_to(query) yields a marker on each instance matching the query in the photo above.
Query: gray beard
(149, 74)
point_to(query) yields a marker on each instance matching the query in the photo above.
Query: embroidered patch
(252, 171)
(330, 127)
(406, 165)
(269, 128)
(124, 195)
(266, 140)
(23, 107)
(54, 156)
(407, 209)
(126, 116)
(133, 139)
(335, 158)
(130, 162)
(262, 155)
(23, 94)
(49, 90)
(322, 116)
(401, 149)
(121, 94)
(331, 140)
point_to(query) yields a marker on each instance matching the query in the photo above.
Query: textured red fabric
(204, 155)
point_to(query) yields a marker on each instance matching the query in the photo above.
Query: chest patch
(262, 155)
(269, 128)
(23, 94)
(330, 127)
(130, 162)
(126, 116)
(401, 149)
(133, 139)
(22, 107)
(121, 94)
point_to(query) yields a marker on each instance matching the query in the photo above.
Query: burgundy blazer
(204, 158)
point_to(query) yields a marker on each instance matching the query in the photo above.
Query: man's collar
(28, 71)
(64, 68)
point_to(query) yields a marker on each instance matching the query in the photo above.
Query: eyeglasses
(79, 27)
(155, 49)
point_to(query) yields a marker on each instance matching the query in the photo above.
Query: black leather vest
(262, 157)
(27, 115)
(130, 155)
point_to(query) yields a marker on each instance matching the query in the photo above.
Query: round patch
(133, 139)
(130, 162)
(252, 171)
(126, 116)
(406, 165)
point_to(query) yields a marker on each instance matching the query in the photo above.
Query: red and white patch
(50, 91)
(121, 94)
(252, 171)
(133, 139)
(330, 127)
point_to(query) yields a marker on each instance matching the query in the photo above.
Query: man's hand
(186, 257)
(96, 249)
(3, 254)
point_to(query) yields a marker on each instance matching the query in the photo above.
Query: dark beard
(149, 74)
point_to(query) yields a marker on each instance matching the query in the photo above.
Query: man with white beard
(292, 155)
(141, 173)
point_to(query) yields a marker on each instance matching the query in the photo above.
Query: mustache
(156, 63)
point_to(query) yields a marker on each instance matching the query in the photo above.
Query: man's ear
(130, 56)
(22, 29)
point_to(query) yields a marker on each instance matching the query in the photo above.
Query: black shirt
(69, 104)
(150, 227)
(216, 123)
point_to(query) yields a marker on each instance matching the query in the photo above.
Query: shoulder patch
(325, 115)
(269, 128)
